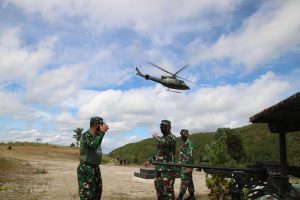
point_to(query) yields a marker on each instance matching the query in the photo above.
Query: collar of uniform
(164, 136)
(187, 140)
(91, 132)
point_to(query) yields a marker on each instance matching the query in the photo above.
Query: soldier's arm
(189, 153)
(91, 141)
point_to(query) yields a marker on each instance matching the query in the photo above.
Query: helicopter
(174, 81)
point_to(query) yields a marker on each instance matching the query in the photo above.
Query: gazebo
(282, 118)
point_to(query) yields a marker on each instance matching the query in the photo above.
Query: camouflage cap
(96, 120)
(167, 122)
(184, 132)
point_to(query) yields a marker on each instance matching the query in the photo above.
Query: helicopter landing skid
(175, 91)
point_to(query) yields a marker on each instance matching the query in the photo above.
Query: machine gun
(260, 179)
(265, 177)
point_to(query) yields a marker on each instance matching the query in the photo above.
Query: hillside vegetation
(259, 144)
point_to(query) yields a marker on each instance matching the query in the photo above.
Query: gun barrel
(210, 169)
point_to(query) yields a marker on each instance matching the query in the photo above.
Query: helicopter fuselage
(168, 81)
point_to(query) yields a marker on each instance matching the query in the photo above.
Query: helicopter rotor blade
(154, 65)
(202, 85)
(187, 80)
(182, 68)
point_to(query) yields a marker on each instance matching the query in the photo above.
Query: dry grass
(48, 151)
(7, 164)
(13, 175)
(21, 180)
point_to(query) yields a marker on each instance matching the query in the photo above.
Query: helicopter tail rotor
(138, 72)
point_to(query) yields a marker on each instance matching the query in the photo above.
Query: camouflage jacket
(186, 153)
(165, 151)
(90, 148)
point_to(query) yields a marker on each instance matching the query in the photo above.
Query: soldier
(186, 157)
(165, 153)
(88, 171)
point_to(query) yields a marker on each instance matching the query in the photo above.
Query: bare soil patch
(49, 172)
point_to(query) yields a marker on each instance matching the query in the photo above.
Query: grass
(48, 151)
(17, 180)
(40, 170)
(106, 159)
(31, 144)
(7, 164)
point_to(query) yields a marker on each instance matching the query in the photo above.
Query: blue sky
(62, 62)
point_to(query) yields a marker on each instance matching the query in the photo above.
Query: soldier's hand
(147, 164)
(189, 170)
(103, 127)
(155, 135)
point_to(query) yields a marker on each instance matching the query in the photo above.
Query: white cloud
(31, 135)
(80, 98)
(53, 83)
(160, 20)
(115, 13)
(11, 105)
(19, 62)
(66, 122)
(270, 32)
(54, 86)
(28, 66)
(203, 110)
(110, 142)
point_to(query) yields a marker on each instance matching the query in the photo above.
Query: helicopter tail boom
(146, 76)
(139, 73)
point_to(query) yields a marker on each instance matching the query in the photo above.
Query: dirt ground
(46, 172)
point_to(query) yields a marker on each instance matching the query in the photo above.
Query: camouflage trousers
(164, 185)
(89, 182)
(186, 181)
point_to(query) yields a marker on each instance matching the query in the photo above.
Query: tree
(227, 149)
(77, 135)
(38, 140)
(233, 143)
(72, 145)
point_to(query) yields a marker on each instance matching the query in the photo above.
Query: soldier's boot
(180, 196)
(190, 197)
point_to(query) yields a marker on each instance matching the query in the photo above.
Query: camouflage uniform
(88, 171)
(165, 175)
(186, 157)
(89, 181)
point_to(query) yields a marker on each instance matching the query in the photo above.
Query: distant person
(186, 157)
(88, 171)
(165, 153)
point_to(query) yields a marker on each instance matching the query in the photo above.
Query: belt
(91, 165)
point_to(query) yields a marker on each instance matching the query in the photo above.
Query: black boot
(180, 196)
(190, 197)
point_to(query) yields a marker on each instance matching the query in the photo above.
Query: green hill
(258, 142)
